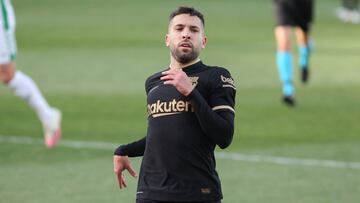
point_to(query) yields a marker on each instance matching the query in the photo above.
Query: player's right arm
(121, 159)
(133, 149)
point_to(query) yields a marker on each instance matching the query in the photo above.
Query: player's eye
(195, 30)
(179, 28)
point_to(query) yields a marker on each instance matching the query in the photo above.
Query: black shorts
(294, 13)
(153, 201)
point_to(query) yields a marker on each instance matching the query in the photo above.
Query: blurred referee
(297, 14)
(190, 111)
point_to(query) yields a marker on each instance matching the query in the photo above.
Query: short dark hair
(187, 10)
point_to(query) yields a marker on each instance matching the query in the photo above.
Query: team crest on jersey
(194, 80)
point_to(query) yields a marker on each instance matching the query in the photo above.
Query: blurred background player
(21, 84)
(292, 15)
(349, 11)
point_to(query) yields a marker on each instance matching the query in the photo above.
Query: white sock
(24, 87)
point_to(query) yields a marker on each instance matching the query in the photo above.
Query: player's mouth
(186, 45)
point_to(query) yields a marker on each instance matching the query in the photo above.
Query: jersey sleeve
(223, 91)
(134, 149)
(216, 113)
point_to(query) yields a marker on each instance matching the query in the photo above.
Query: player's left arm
(215, 116)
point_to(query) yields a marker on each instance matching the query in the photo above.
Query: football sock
(24, 87)
(284, 64)
(304, 55)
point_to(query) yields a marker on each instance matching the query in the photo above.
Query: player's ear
(204, 42)
(167, 40)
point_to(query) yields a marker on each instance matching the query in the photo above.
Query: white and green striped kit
(7, 32)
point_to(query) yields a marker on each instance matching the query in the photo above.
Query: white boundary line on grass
(220, 155)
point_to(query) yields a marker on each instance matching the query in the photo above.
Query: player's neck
(174, 64)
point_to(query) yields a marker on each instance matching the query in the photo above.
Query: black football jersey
(178, 162)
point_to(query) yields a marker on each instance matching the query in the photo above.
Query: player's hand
(122, 163)
(179, 79)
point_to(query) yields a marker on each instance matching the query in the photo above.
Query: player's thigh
(7, 46)
(7, 33)
(285, 12)
(7, 53)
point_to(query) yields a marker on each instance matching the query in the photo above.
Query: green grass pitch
(91, 58)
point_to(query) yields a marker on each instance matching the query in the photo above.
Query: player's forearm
(219, 126)
(133, 149)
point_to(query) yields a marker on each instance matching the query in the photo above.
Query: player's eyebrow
(179, 25)
(191, 26)
(194, 27)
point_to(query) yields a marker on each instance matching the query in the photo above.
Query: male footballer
(190, 110)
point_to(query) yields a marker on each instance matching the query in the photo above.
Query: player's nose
(186, 37)
(185, 34)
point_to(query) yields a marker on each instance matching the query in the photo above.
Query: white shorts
(7, 32)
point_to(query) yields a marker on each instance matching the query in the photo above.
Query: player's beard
(183, 57)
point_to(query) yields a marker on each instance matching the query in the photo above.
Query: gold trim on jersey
(164, 114)
(223, 107)
(230, 86)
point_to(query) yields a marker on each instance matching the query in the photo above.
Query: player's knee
(7, 72)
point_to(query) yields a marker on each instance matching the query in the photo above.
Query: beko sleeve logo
(228, 82)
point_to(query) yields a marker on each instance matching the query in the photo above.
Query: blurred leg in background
(20, 83)
(292, 15)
